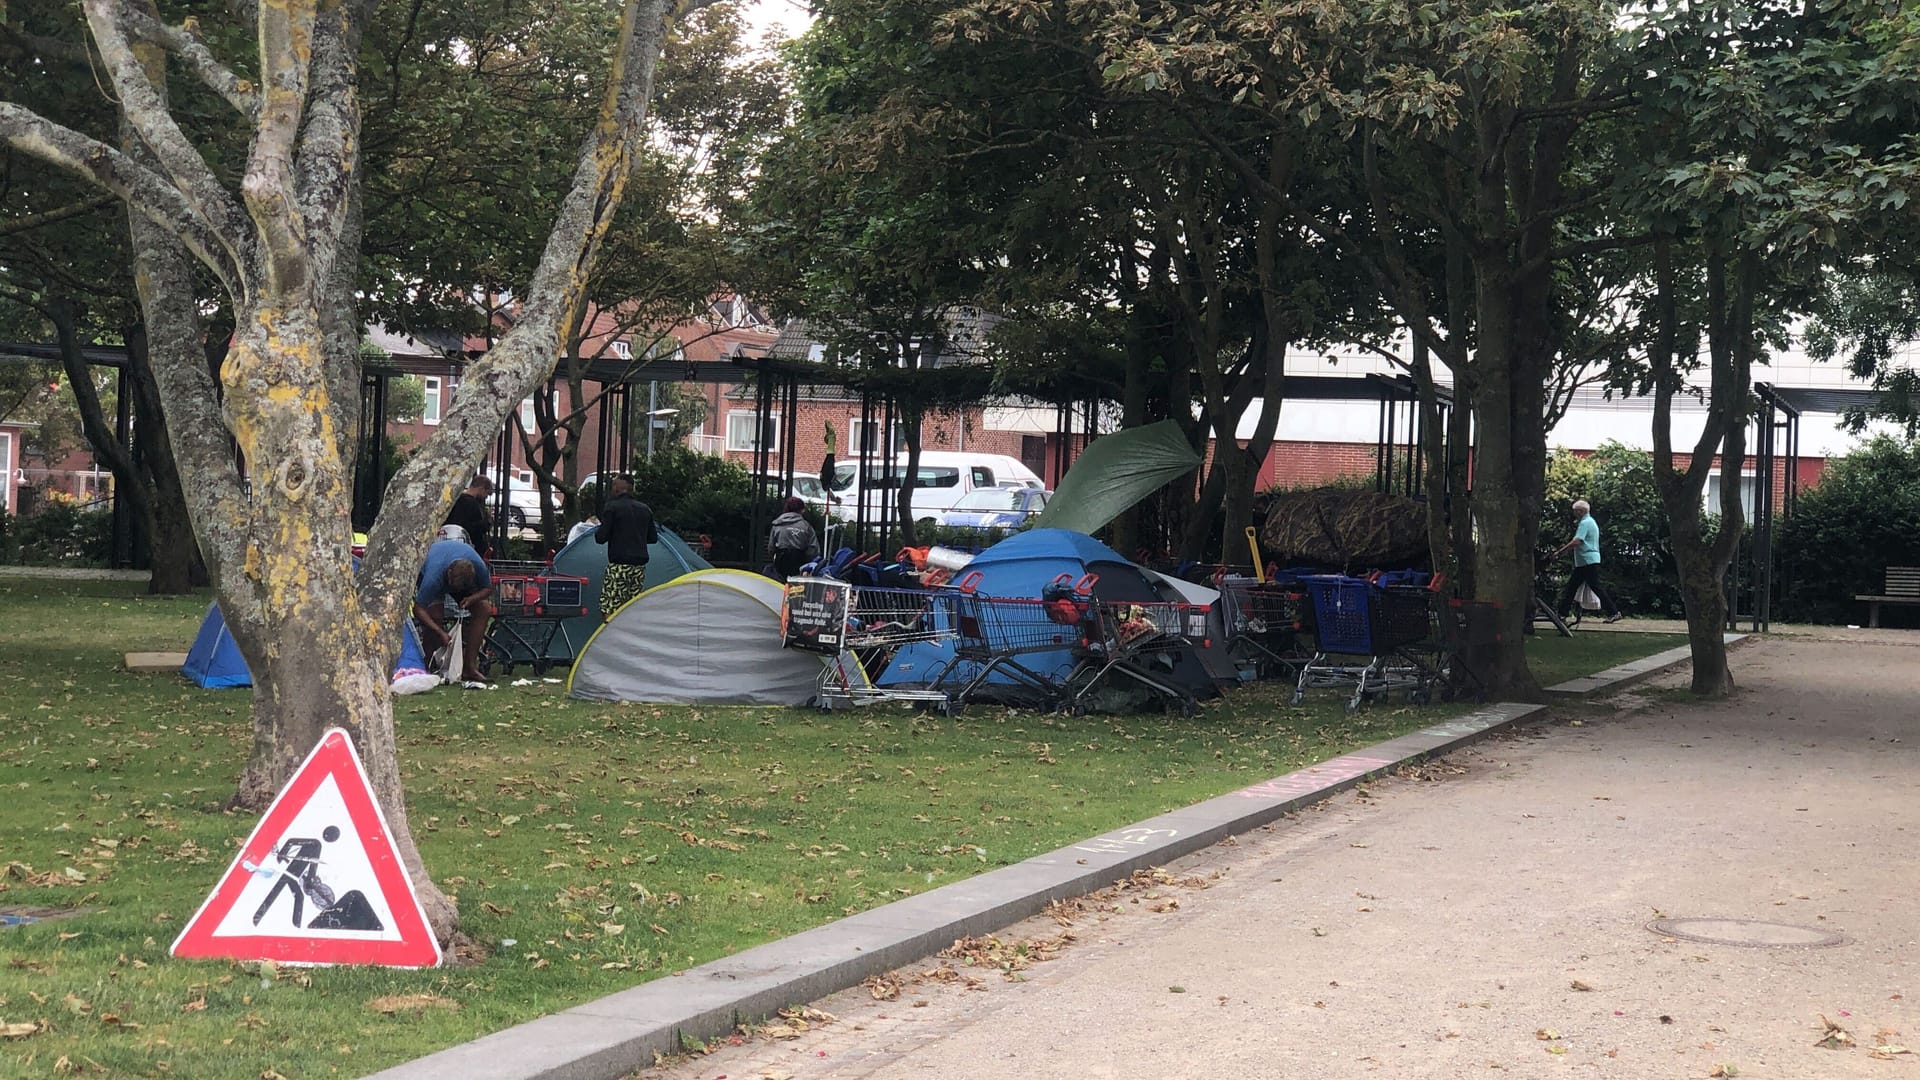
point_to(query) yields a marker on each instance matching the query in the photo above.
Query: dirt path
(1490, 922)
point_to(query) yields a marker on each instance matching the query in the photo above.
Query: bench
(1903, 587)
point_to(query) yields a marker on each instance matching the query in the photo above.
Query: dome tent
(667, 558)
(215, 663)
(1021, 566)
(711, 637)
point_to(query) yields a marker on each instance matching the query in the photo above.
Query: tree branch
(56, 215)
(268, 186)
(146, 110)
(183, 42)
(145, 190)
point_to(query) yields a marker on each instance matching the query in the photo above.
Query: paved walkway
(72, 573)
(1486, 918)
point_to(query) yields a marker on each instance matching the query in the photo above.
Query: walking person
(1585, 546)
(792, 544)
(627, 528)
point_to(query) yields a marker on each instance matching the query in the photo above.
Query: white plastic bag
(1587, 598)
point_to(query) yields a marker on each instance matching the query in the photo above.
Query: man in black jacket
(470, 513)
(626, 527)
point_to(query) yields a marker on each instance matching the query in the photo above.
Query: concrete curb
(621, 1033)
(1627, 674)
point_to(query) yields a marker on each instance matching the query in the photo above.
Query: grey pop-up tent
(711, 637)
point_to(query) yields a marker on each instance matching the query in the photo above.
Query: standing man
(455, 570)
(626, 527)
(1585, 546)
(470, 513)
(792, 543)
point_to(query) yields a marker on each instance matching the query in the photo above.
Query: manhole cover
(1749, 933)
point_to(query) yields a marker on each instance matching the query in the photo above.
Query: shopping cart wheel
(1298, 697)
(1189, 709)
(1419, 697)
(1351, 705)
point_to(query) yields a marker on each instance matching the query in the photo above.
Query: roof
(964, 341)
(1819, 400)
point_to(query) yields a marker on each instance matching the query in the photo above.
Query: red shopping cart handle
(972, 582)
(1084, 586)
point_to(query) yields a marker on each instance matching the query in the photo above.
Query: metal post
(625, 437)
(653, 409)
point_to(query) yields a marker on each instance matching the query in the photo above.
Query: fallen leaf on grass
(882, 987)
(78, 1005)
(399, 1003)
(18, 1031)
(196, 1005)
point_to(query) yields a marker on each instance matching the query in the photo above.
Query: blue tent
(215, 663)
(1021, 566)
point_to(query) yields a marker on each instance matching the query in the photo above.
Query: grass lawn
(1555, 659)
(591, 846)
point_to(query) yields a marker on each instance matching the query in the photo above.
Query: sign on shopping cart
(813, 617)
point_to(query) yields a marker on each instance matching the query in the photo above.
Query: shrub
(62, 533)
(695, 494)
(1636, 551)
(1862, 517)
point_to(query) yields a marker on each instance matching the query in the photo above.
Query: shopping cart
(1264, 624)
(531, 607)
(1366, 636)
(1141, 641)
(857, 629)
(1467, 629)
(994, 632)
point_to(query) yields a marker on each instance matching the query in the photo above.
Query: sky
(789, 17)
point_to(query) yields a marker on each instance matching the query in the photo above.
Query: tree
(284, 253)
(1755, 183)
(1458, 127)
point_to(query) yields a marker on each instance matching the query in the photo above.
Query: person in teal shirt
(1585, 547)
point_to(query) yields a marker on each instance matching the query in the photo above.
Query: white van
(944, 478)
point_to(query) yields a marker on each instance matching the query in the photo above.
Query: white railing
(707, 444)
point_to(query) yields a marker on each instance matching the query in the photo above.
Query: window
(740, 423)
(623, 350)
(526, 414)
(1747, 489)
(430, 412)
(982, 476)
(929, 476)
(863, 439)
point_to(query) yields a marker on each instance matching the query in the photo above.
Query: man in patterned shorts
(626, 527)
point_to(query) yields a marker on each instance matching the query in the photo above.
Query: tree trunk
(318, 660)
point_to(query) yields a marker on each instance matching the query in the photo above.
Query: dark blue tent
(1021, 566)
(215, 662)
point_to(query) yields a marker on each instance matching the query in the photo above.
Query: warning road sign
(318, 882)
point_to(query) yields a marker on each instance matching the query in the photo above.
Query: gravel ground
(1485, 916)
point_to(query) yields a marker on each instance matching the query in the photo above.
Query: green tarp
(1114, 472)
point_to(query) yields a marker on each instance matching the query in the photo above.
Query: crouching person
(455, 571)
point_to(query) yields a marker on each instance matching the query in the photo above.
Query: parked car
(997, 508)
(524, 509)
(943, 479)
(805, 485)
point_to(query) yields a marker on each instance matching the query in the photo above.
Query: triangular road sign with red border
(318, 881)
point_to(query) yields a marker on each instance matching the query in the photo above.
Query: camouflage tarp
(1352, 530)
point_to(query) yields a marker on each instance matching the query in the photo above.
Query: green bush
(1862, 517)
(695, 494)
(61, 533)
